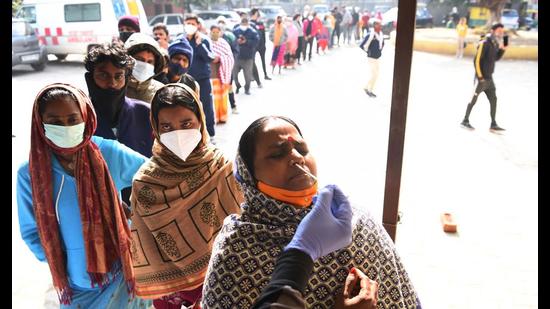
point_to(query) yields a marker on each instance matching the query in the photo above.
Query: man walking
(259, 26)
(247, 38)
(373, 44)
(490, 49)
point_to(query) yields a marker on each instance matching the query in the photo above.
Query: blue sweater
(134, 127)
(122, 163)
(248, 49)
(202, 56)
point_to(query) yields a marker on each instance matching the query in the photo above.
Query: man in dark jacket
(489, 50)
(248, 39)
(338, 17)
(373, 44)
(200, 67)
(118, 117)
(259, 26)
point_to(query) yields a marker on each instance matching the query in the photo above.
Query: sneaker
(247, 92)
(372, 94)
(234, 110)
(212, 140)
(267, 78)
(260, 86)
(368, 93)
(466, 125)
(496, 129)
(237, 90)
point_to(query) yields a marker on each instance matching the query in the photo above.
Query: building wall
(155, 7)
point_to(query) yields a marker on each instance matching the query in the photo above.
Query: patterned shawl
(222, 49)
(248, 246)
(104, 224)
(178, 210)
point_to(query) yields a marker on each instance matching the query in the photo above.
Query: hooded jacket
(144, 91)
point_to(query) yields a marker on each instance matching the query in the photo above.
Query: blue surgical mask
(65, 136)
(176, 69)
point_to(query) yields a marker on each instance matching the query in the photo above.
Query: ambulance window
(82, 12)
(28, 13)
(172, 20)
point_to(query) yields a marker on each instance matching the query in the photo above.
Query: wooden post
(400, 93)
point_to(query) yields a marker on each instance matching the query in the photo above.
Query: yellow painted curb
(524, 52)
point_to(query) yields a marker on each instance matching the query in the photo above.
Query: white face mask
(143, 71)
(181, 142)
(310, 17)
(190, 29)
(65, 137)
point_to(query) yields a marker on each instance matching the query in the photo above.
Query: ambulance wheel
(61, 56)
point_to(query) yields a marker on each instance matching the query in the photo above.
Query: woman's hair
(112, 52)
(215, 27)
(53, 94)
(247, 143)
(171, 96)
(296, 16)
(190, 82)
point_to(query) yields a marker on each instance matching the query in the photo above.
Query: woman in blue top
(70, 213)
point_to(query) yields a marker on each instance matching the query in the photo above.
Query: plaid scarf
(222, 49)
(248, 246)
(104, 224)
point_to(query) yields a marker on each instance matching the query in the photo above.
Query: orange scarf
(278, 34)
(104, 224)
(301, 198)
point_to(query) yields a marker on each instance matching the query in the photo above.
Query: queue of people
(132, 205)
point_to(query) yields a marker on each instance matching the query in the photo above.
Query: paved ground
(489, 182)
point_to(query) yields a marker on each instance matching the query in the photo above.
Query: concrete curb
(522, 52)
(518, 52)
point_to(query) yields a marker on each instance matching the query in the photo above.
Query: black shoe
(260, 86)
(496, 129)
(247, 92)
(267, 78)
(372, 94)
(466, 125)
(368, 93)
(237, 90)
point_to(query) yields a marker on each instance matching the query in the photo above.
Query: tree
(495, 7)
(15, 4)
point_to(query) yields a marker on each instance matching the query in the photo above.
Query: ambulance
(74, 26)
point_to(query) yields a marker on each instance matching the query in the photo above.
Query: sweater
(122, 163)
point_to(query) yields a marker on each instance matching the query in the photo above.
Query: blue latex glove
(327, 227)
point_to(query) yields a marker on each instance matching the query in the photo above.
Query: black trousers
(300, 47)
(487, 86)
(309, 42)
(255, 68)
(336, 33)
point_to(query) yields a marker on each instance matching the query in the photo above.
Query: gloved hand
(327, 227)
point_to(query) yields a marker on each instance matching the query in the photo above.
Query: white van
(73, 26)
